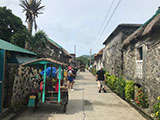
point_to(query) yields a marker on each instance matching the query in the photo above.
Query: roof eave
(117, 29)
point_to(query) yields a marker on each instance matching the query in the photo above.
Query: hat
(69, 68)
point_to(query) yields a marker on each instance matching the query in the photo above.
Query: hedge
(129, 90)
(120, 86)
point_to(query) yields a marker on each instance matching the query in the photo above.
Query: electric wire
(109, 19)
(106, 16)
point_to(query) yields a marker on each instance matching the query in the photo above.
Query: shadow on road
(75, 106)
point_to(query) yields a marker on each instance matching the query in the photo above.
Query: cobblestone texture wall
(98, 63)
(53, 52)
(151, 65)
(129, 63)
(18, 85)
(112, 54)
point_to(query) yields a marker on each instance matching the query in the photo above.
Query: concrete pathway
(85, 103)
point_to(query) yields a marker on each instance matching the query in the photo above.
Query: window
(139, 63)
(140, 53)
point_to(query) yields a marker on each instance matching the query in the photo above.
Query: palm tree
(32, 9)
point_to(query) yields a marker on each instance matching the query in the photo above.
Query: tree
(9, 24)
(32, 9)
(83, 60)
(20, 38)
(39, 40)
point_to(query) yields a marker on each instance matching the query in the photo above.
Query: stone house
(98, 60)
(72, 61)
(112, 53)
(18, 80)
(14, 81)
(53, 50)
(141, 56)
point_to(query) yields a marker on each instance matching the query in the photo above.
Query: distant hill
(84, 59)
(88, 56)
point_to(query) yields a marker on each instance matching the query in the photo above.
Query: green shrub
(156, 109)
(129, 90)
(120, 87)
(107, 76)
(93, 71)
(111, 82)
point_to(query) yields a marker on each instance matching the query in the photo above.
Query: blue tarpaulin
(48, 71)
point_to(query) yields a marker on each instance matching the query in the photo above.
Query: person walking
(70, 78)
(100, 77)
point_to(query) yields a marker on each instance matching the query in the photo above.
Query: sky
(77, 22)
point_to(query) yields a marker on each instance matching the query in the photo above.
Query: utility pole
(90, 56)
(75, 52)
(75, 49)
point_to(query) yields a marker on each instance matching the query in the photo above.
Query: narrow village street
(85, 103)
(44, 43)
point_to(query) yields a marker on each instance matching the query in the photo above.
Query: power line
(110, 18)
(106, 16)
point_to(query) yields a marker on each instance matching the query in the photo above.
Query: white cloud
(71, 22)
(9, 2)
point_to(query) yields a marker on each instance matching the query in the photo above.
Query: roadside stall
(49, 92)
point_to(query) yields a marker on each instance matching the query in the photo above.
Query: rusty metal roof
(43, 61)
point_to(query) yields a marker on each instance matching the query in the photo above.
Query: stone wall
(17, 85)
(152, 72)
(129, 63)
(112, 53)
(98, 63)
(150, 80)
(112, 56)
(51, 51)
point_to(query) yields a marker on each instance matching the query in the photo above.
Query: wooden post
(44, 82)
(59, 89)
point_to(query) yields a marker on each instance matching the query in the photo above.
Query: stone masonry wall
(152, 68)
(50, 51)
(129, 64)
(18, 85)
(151, 65)
(112, 56)
(99, 63)
(112, 53)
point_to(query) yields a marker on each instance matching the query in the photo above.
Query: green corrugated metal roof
(55, 43)
(157, 13)
(11, 47)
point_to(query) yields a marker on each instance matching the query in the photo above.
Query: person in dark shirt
(100, 77)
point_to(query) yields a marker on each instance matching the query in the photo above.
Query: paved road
(85, 103)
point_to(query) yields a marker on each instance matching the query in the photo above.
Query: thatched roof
(100, 53)
(119, 28)
(143, 30)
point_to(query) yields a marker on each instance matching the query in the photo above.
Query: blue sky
(78, 22)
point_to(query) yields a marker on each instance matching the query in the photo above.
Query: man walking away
(100, 75)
